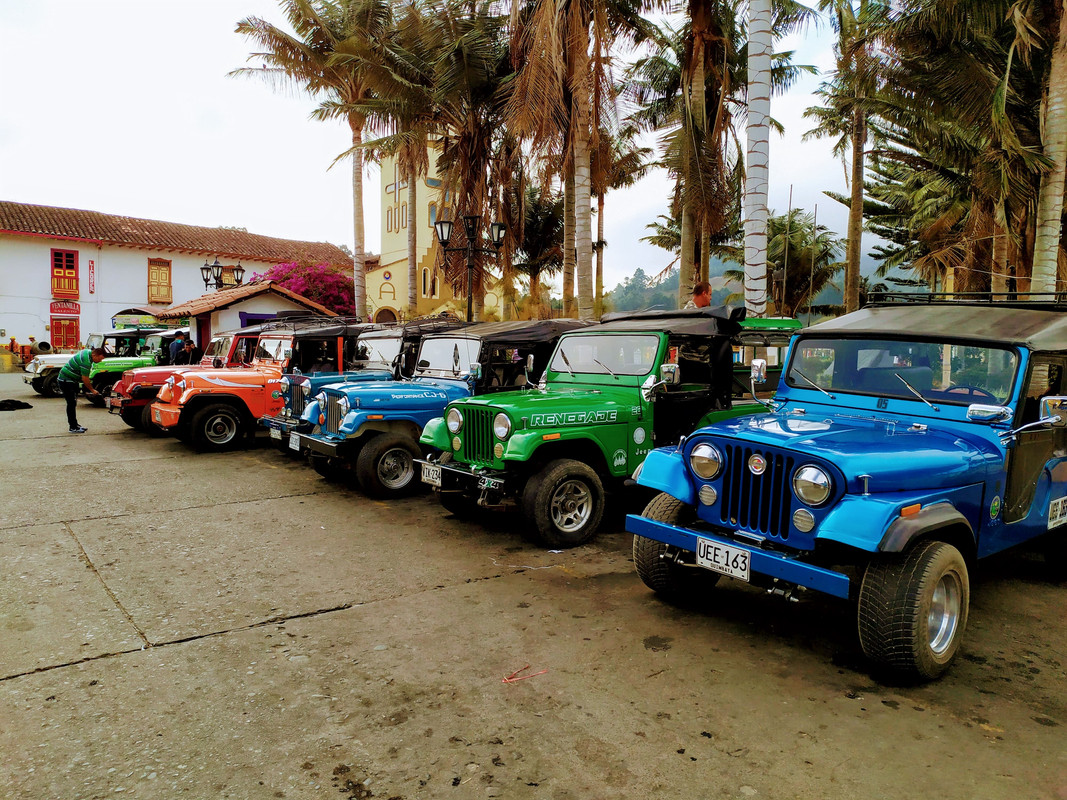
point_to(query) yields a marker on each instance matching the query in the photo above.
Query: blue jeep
(372, 429)
(376, 352)
(906, 442)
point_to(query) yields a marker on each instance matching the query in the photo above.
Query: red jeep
(132, 396)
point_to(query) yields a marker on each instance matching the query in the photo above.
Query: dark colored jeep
(906, 442)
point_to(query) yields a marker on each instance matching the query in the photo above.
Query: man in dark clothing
(78, 369)
(190, 354)
(176, 346)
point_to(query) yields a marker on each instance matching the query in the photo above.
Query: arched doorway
(385, 315)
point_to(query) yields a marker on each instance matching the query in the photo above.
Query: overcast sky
(126, 107)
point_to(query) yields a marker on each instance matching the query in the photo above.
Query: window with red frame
(65, 274)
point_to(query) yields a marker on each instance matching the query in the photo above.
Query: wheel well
(201, 400)
(959, 536)
(400, 427)
(584, 450)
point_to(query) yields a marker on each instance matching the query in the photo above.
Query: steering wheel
(974, 391)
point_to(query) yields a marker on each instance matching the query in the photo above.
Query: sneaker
(79, 429)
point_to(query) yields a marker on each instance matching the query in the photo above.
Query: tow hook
(787, 591)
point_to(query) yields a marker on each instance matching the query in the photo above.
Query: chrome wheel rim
(220, 429)
(571, 506)
(396, 468)
(943, 619)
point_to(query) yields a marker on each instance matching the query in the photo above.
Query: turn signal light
(910, 511)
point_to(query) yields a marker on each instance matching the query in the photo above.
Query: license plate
(431, 474)
(107, 402)
(275, 433)
(732, 561)
(157, 415)
(1057, 513)
(294, 441)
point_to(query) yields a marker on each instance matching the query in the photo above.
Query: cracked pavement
(232, 626)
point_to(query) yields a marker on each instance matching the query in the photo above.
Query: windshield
(219, 346)
(606, 355)
(448, 356)
(379, 348)
(942, 372)
(273, 349)
(122, 345)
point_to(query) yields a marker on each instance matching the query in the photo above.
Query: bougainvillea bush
(326, 285)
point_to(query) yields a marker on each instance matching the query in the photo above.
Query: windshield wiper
(566, 362)
(916, 392)
(810, 382)
(605, 366)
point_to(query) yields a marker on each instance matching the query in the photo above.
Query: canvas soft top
(709, 321)
(516, 332)
(1033, 328)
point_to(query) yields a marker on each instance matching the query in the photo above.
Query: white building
(65, 273)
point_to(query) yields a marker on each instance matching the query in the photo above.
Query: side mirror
(980, 412)
(1054, 408)
(530, 361)
(476, 371)
(423, 364)
(217, 363)
(670, 374)
(759, 370)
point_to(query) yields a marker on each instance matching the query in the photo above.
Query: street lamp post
(212, 274)
(443, 227)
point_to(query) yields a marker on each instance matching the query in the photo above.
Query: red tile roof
(224, 298)
(93, 226)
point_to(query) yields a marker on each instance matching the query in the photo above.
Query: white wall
(268, 303)
(121, 282)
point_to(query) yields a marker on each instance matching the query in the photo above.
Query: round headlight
(343, 405)
(454, 420)
(283, 383)
(180, 384)
(812, 485)
(501, 426)
(706, 461)
(306, 389)
(169, 381)
(320, 398)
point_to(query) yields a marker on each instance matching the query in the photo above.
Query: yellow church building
(387, 281)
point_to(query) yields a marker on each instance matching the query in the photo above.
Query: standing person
(701, 296)
(78, 368)
(176, 346)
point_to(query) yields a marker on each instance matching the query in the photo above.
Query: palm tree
(540, 250)
(304, 61)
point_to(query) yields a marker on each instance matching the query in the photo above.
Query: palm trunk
(583, 228)
(1054, 147)
(759, 110)
(535, 295)
(999, 280)
(686, 259)
(413, 264)
(599, 301)
(705, 253)
(568, 244)
(359, 259)
(855, 212)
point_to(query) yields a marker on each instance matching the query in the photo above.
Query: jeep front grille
(758, 503)
(333, 414)
(295, 400)
(478, 435)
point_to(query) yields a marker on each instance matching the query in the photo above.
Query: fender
(311, 412)
(664, 469)
(362, 420)
(523, 446)
(435, 434)
(905, 530)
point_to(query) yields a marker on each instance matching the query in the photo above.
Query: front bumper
(281, 427)
(166, 416)
(771, 563)
(309, 443)
(468, 479)
(29, 377)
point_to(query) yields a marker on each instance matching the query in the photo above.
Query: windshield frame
(464, 368)
(558, 368)
(899, 391)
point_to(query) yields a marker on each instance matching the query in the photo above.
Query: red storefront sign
(65, 307)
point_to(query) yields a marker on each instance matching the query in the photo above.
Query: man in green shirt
(78, 368)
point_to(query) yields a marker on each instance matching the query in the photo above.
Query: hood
(420, 395)
(229, 378)
(559, 406)
(123, 363)
(897, 455)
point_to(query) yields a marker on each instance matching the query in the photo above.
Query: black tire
(148, 425)
(37, 384)
(386, 466)
(564, 503)
(331, 469)
(913, 610)
(659, 573)
(216, 428)
(460, 504)
(132, 417)
(103, 383)
(50, 385)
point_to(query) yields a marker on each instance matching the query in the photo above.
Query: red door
(64, 333)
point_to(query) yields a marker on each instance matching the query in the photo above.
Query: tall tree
(760, 17)
(302, 59)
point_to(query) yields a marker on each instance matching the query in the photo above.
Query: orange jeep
(213, 409)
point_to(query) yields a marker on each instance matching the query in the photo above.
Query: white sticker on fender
(1057, 513)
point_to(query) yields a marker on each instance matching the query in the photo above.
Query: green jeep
(610, 394)
(127, 348)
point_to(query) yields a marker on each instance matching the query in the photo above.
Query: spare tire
(40, 347)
